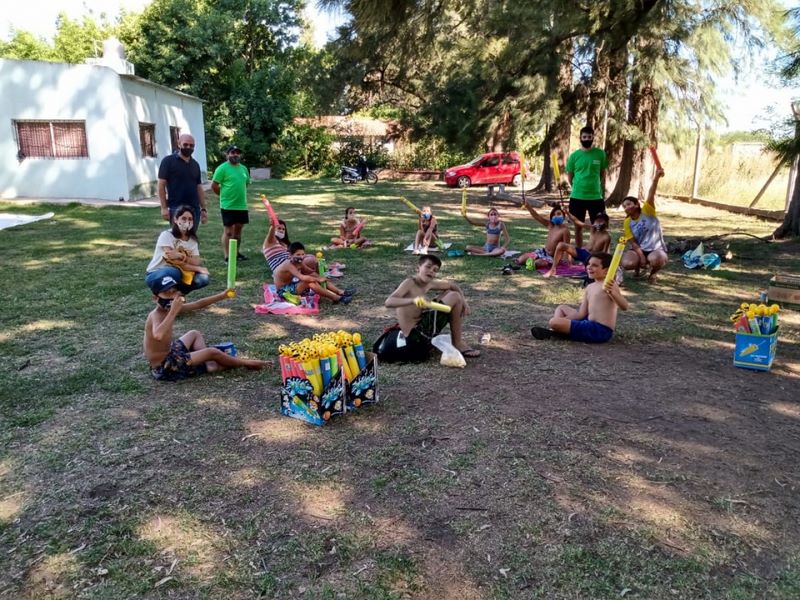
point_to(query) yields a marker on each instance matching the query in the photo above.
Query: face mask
(234, 159)
(587, 143)
(599, 226)
(297, 259)
(184, 226)
(557, 220)
(187, 151)
(280, 235)
(426, 216)
(165, 303)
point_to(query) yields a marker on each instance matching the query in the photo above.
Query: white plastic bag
(451, 357)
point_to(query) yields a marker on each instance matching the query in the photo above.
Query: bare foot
(469, 352)
(257, 364)
(653, 278)
(550, 273)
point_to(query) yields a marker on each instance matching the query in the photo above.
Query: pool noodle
(325, 369)
(464, 203)
(655, 157)
(352, 363)
(358, 228)
(438, 306)
(232, 254)
(361, 356)
(612, 269)
(556, 170)
(272, 216)
(410, 205)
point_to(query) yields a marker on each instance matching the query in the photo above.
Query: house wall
(57, 91)
(149, 103)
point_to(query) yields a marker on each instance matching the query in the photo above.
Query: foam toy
(654, 153)
(556, 170)
(233, 253)
(358, 228)
(361, 356)
(464, 203)
(272, 216)
(423, 303)
(410, 205)
(618, 252)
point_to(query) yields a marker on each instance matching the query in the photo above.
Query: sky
(750, 100)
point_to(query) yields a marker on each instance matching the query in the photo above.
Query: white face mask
(280, 235)
(185, 226)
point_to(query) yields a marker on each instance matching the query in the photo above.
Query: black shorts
(579, 208)
(234, 217)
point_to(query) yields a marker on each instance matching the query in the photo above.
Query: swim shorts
(590, 332)
(289, 288)
(176, 365)
(582, 254)
(490, 247)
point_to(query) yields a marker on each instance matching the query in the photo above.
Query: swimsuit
(176, 365)
(539, 254)
(496, 231)
(290, 288)
(490, 247)
(276, 255)
(393, 346)
(582, 254)
(590, 332)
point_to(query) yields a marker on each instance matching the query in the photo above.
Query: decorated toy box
(756, 328)
(755, 351)
(326, 377)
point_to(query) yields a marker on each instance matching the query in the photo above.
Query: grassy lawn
(648, 468)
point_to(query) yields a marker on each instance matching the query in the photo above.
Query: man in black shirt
(179, 182)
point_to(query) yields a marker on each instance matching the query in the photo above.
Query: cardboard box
(754, 351)
(339, 397)
(784, 288)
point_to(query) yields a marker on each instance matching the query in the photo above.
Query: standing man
(179, 183)
(586, 170)
(230, 182)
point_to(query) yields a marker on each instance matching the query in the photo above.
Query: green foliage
(303, 149)
(76, 41)
(25, 46)
(428, 153)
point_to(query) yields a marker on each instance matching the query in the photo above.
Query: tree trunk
(635, 159)
(558, 134)
(791, 222)
(616, 104)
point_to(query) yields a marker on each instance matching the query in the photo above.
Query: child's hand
(177, 304)
(612, 289)
(229, 293)
(420, 302)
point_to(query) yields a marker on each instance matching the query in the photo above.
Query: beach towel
(274, 304)
(434, 248)
(566, 270)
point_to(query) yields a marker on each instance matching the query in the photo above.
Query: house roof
(353, 126)
(158, 85)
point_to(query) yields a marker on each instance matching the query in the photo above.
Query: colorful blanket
(274, 304)
(566, 270)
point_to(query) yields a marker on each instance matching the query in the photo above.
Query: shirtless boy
(295, 276)
(172, 360)
(419, 326)
(599, 241)
(594, 320)
(557, 232)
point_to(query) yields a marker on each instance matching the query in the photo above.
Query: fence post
(696, 174)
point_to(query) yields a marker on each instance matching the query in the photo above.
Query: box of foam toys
(326, 376)
(756, 328)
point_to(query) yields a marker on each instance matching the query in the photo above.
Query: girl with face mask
(427, 231)
(276, 244)
(177, 255)
(557, 232)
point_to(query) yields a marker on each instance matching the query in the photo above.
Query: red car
(494, 167)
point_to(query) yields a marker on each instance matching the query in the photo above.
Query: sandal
(470, 353)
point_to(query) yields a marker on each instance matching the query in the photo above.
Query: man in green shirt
(586, 169)
(230, 182)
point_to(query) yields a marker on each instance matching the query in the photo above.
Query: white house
(89, 131)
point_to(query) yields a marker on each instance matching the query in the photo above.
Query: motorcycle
(351, 175)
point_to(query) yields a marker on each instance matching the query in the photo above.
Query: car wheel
(517, 181)
(463, 182)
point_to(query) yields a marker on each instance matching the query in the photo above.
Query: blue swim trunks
(590, 332)
(582, 254)
(490, 247)
(176, 364)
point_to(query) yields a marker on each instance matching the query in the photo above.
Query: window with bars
(51, 139)
(147, 139)
(174, 135)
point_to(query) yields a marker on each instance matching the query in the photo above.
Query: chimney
(113, 57)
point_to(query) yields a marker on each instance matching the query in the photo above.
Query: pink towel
(565, 270)
(273, 304)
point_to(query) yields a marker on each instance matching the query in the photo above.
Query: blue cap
(167, 282)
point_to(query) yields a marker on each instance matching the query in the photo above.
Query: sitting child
(172, 360)
(557, 232)
(594, 320)
(494, 227)
(599, 241)
(427, 231)
(276, 245)
(296, 276)
(410, 339)
(350, 231)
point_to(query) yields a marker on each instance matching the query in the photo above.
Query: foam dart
(358, 228)
(612, 269)
(742, 325)
(297, 369)
(334, 366)
(422, 303)
(554, 164)
(272, 216)
(410, 205)
(286, 369)
(464, 202)
(361, 356)
(343, 366)
(352, 363)
(233, 252)
(654, 154)
(751, 320)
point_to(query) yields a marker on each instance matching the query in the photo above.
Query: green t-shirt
(233, 181)
(585, 166)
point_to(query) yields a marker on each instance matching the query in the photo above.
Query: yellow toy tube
(410, 205)
(464, 203)
(556, 170)
(352, 363)
(422, 303)
(612, 270)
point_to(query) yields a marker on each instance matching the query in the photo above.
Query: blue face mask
(557, 220)
(426, 216)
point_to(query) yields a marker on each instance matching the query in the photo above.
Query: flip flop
(471, 353)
